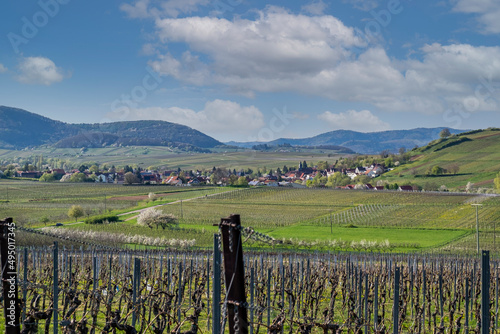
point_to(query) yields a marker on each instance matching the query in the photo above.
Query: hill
(20, 129)
(361, 142)
(371, 142)
(472, 156)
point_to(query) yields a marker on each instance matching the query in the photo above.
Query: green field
(323, 219)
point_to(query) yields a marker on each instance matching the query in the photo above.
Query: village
(319, 175)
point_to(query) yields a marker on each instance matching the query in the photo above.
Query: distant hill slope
(476, 153)
(372, 142)
(20, 128)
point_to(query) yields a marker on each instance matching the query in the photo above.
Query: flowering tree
(154, 217)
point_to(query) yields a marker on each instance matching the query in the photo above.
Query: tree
(316, 181)
(338, 179)
(497, 182)
(47, 177)
(94, 169)
(362, 179)
(153, 217)
(88, 211)
(75, 211)
(45, 220)
(322, 165)
(242, 181)
(233, 180)
(454, 168)
(384, 154)
(436, 170)
(445, 133)
(402, 150)
(78, 177)
(130, 178)
(469, 187)
(218, 175)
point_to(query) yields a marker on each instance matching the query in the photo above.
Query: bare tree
(445, 133)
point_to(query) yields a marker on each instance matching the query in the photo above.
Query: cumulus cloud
(318, 55)
(217, 115)
(3, 69)
(487, 11)
(354, 120)
(270, 53)
(40, 71)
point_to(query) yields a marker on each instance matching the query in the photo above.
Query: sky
(255, 70)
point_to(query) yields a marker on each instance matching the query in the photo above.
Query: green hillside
(476, 155)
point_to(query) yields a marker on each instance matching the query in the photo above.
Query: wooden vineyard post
(485, 292)
(216, 287)
(9, 276)
(55, 287)
(396, 302)
(234, 274)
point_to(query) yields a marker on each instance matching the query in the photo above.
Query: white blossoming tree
(156, 218)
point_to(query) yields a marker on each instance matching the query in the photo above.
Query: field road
(159, 205)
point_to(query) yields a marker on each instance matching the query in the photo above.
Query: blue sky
(255, 70)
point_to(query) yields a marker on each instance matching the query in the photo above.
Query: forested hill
(20, 128)
(371, 142)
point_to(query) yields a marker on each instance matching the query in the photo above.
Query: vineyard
(117, 291)
(332, 261)
(30, 201)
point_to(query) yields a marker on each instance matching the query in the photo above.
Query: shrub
(101, 219)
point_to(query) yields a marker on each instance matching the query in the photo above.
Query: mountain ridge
(20, 128)
(365, 142)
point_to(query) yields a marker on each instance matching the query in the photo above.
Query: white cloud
(362, 120)
(3, 69)
(137, 10)
(487, 11)
(39, 70)
(270, 53)
(318, 55)
(315, 8)
(217, 116)
(170, 8)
